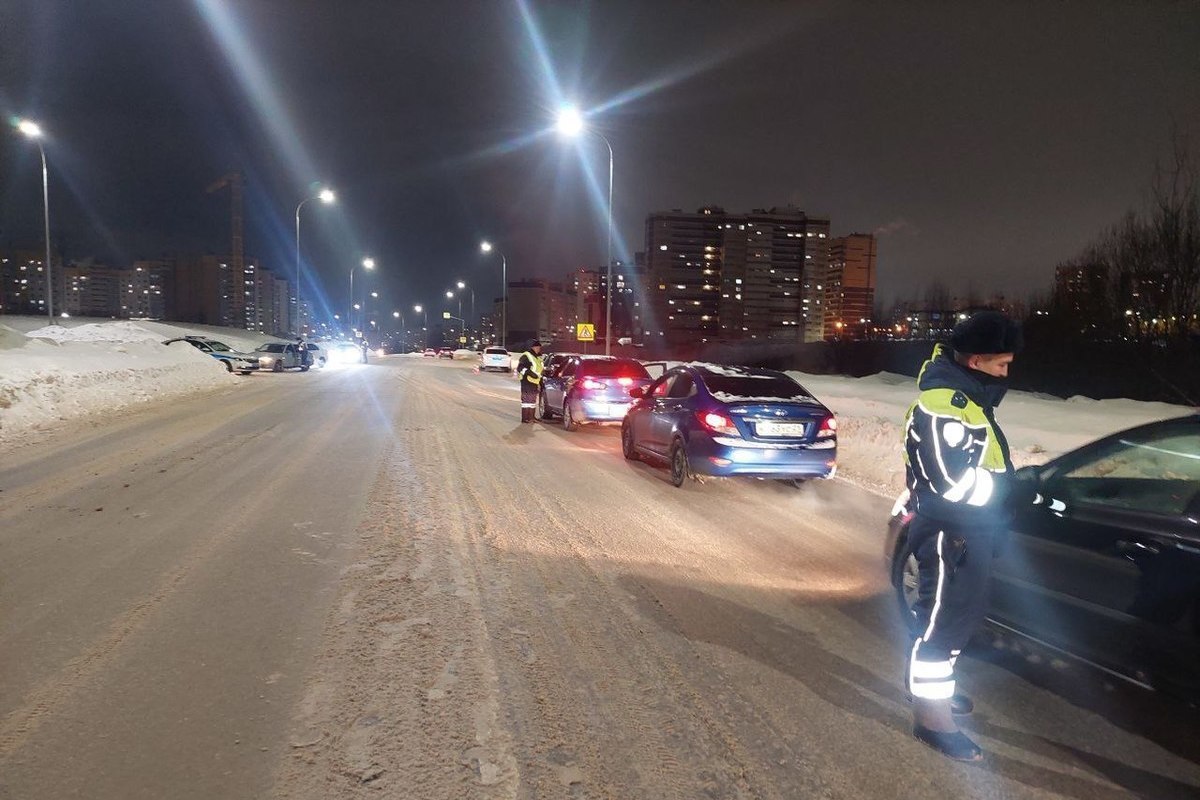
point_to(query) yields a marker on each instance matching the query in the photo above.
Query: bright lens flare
(485, 246)
(327, 196)
(369, 263)
(570, 121)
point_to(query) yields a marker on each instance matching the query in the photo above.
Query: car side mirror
(638, 392)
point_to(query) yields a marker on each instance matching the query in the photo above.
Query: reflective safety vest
(533, 373)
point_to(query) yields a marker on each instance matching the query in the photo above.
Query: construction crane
(237, 253)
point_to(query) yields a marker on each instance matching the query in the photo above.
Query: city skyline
(977, 149)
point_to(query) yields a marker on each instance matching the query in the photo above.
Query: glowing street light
(570, 121)
(571, 124)
(486, 247)
(326, 196)
(33, 131)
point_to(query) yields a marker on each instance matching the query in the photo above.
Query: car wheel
(679, 463)
(304, 367)
(627, 445)
(543, 411)
(228, 366)
(906, 581)
(278, 367)
(245, 372)
(568, 417)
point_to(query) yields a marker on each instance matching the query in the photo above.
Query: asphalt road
(373, 581)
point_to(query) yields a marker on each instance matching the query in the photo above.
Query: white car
(496, 358)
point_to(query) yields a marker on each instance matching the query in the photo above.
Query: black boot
(952, 744)
(934, 726)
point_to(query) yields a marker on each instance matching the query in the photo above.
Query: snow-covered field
(52, 374)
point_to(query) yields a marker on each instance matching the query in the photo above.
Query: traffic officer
(529, 370)
(960, 481)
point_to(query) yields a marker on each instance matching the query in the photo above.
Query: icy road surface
(374, 582)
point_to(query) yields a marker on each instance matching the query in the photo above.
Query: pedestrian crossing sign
(585, 332)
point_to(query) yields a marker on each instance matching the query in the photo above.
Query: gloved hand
(1024, 493)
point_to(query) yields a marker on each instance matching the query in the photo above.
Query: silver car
(278, 356)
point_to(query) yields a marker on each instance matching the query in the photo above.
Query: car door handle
(1137, 548)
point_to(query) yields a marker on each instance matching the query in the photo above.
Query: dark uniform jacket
(956, 457)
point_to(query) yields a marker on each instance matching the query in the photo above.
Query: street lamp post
(570, 123)
(425, 325)
(34, 132)
(368, 263)
(326, 196)
(462, 285)
(486, 247)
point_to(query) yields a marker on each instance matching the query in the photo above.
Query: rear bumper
(600, 410)
(722, 458)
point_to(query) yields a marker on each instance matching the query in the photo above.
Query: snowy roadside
(49, 375)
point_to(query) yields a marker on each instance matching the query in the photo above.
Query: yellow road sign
(585, 332)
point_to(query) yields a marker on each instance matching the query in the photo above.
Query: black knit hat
(534, 343)
(986, 333)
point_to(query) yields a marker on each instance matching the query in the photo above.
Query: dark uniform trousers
(529, 396)
(955, 566)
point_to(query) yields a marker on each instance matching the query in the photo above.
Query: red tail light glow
(828, 428)
(592, 383)
(625, 381)
(717, 423)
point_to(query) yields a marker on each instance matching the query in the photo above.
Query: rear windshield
(774, 387)
(619, 368)
(271, 348)
(496, 351)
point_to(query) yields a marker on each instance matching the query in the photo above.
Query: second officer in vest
(529, 370)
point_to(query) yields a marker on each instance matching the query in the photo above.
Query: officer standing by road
(529, 370)
(961, 485)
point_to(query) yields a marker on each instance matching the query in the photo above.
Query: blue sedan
(706, 419)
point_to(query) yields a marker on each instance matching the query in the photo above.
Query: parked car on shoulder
(589, 389)
(445, 352)
(245, 363)
(429, 352)
(278, 356)
(1105, 570)
(708, 419)
(495, 358)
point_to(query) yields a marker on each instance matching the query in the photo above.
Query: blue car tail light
(718, 423)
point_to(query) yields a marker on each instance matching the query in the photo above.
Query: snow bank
(53, 373)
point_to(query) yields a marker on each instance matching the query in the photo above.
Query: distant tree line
(1140, 279)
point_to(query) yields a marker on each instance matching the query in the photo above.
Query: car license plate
(780, 428)
(618, 409)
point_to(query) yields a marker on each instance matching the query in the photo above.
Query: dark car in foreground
(706, 419)
(590, 389)
(1110, 573)
(234, 361)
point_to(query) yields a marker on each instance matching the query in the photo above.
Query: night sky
(983, 142)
